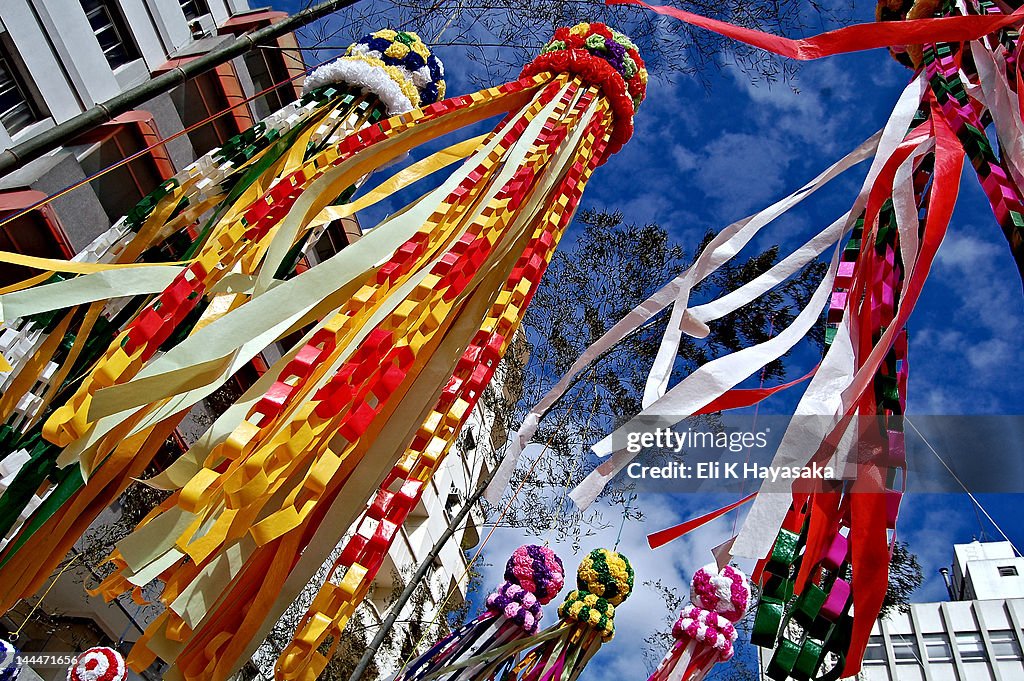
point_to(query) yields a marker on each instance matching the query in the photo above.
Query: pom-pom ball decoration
(98, 664)
(10, 665)
(725, 591)
(407, 327)
(705, 631)
(396, 66)
(604, 56)
(604, 580)
(533, 577)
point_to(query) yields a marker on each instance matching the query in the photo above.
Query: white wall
(65, 63)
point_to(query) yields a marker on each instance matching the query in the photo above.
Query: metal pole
(45, 142)
(414, 582)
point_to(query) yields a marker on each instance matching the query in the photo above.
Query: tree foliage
(502, 35)
(905, 577)
(610, 268)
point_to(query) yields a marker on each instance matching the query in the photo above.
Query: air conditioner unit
(203, 26)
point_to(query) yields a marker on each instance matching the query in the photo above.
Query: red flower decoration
(594, 71)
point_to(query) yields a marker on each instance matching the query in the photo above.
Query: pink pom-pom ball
(536, 569)
(725, 591)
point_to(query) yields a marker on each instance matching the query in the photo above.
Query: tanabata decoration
(533, 577)
(705, 631)
(10, 666)
(202, 216)
(403, 329)
(604, 580)
(98, 664)
(94, 322)
(823, 548)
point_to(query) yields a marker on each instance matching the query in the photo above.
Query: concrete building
(61, 57)
(975, 636)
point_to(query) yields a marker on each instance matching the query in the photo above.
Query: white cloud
(742, 171)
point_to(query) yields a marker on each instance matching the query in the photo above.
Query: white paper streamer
(829, 396)
(708, 382)
(891, 136)
(730, 241)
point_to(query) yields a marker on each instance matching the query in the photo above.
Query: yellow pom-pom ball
(607, 574)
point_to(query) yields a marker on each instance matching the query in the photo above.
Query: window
(970, 645)
(1005, 645)
(1008, 571)
(37, 233)
(337, 235)
(197, 100)
(111, 32)
(120, 189)
(193, 9)
(875, 653)
(267, 68)
(938, 648)
(904, 649)
(16, 110)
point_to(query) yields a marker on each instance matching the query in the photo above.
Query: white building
(976, 636)
(59, 58)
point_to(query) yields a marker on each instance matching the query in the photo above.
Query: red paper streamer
(738, 398)
(662, 537)
(850, 38)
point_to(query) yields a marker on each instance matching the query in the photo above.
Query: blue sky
(709, 155)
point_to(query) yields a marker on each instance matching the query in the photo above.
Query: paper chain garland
(534, 575)
(258, 504)
(705, 630)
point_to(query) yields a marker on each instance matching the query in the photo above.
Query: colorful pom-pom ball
(538, 570)
(395, 65)
(590, 609)
(725, 591)
(707, 628)
(604, 42)
(606, 574)
(98, 664)
(9, 666)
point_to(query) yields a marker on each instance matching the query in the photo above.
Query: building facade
(59, 58)
(975, 636)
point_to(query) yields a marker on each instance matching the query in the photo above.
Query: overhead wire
(960, 482)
